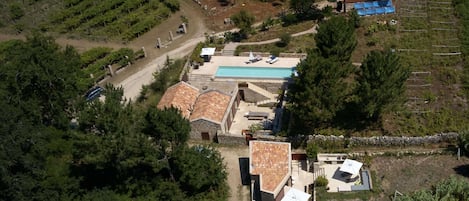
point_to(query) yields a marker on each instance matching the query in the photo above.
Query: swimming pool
(253, 72)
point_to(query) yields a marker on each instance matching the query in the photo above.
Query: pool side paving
(210, 68)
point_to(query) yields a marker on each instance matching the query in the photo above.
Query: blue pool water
(253, 72)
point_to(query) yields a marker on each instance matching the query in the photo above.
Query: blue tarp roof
(361, 12)
(358, 5)
(368, 5)
(370, 12)
(390, 9)
(374, 7)
(380, 10)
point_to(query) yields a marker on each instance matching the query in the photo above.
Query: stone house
(181, 96)
(208, 109)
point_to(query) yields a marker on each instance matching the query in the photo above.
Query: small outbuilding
(207, 53)
(351, 167)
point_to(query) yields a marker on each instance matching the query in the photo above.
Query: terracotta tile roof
(211, 105)
(181, 96)
(270, 160)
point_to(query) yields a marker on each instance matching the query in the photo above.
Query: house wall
(270, 86)
(280, 195)
(202, 125)
(251, 96)
(255, 188)
(231, 139)
(230, 112)
(265, 196)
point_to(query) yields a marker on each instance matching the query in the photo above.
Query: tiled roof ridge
(203, 95)
(185, 83)
(214, 90)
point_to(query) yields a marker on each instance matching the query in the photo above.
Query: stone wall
(231, 139)
(202, 125)
(399, 141)
(270, 87)
(389, 140)
(251, 96)
(353, 141)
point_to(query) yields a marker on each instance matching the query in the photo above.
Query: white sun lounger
(272, 59)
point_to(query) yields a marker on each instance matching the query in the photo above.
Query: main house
(270, 169)
(209, 108)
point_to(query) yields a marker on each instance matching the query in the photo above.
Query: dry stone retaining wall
(355, 141)
(390, 140)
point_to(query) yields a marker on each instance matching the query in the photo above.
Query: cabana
(351, 167)
(295, 195)
(207, 53)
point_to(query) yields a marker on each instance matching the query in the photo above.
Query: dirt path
(141, 73)
(231, 155)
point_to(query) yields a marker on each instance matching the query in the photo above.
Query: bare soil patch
(217, 11)
(410, 173)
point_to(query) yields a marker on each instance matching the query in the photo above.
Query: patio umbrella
(351, 166)
(251, 56)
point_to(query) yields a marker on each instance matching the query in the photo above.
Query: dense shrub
(285, 39)
(16, 11)
(321, 181)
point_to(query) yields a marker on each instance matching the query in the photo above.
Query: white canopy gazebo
(207, 53)
(295, 195)
(351, 166)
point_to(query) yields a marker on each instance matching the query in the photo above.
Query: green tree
(39, 89)
(267, 23)
(312, 151)
(464, 140)
(243, 20)
(16, 11)
(303, 9)
(321, 181)
(381, 83)
(111, 116)
(319, 90)
(285, 39)
(336, 38)
(200, 169)
(167, 127)
(450, 189)
(41, 79)
(355, 18)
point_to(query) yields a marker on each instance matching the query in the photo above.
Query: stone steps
(199, 78)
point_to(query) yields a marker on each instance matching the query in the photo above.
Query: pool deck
(210, 68)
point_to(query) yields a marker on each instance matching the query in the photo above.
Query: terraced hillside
(110, 19)
(428, 34)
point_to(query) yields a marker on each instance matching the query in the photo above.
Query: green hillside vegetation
(95, 61)
(462, 10)
(111, 19)
(112, 151)
(450, 189)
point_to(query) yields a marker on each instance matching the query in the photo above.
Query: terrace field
(102, 20)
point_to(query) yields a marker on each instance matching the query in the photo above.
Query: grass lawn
(297, 44)
(277, 30)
